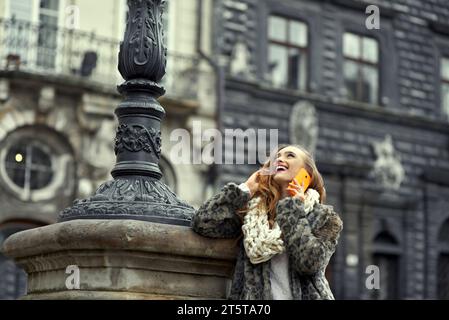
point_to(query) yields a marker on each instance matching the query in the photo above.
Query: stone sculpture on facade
(304, 125)
(387, 170)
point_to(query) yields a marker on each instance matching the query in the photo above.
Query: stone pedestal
(122, 259)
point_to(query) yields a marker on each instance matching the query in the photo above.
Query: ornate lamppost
(137, 191)
(112, 254)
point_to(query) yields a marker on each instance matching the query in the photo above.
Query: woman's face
(286, 165)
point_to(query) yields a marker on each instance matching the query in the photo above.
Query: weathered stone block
(122, 259)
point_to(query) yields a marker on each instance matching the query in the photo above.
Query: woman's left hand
(296, 190)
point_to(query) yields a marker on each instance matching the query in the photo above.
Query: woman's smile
(281, 169)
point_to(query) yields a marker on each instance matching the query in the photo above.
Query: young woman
(287, 235)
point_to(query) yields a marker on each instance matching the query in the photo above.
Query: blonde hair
(270, 192)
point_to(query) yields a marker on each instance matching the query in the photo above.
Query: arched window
(386, 257)
(29, 166)
(35, 163)
(443, 261)
(385, 238)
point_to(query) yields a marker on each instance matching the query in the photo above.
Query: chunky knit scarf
(262, 243)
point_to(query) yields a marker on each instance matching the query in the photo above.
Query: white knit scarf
(262, 243)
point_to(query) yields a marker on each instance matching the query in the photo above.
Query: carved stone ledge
(122, 259)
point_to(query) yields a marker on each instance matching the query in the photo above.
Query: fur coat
(310, 241)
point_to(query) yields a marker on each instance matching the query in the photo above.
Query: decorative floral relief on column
(142, 52)
(137, 138)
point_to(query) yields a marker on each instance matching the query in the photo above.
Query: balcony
(48, 50)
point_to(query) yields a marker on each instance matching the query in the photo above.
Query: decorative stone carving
(98, 148)
(85, 187)
(93, 110)
(238, 19)
(304, 125)
(4, 90)
(14, 118)
(387, 170)
(46, 99)
(240, 64)
(60, 120)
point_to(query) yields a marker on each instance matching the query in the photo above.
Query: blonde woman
(287, 236)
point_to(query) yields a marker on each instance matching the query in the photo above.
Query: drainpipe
(219, 82)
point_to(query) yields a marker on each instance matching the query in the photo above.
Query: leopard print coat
(310, 241)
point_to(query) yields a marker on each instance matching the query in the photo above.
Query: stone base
(101, 295)
(122, 259)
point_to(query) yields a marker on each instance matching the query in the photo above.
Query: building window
(287, 53)
(386, 258)
(37, 164)
(445, 85)
(48, 33)
(29, 166)
(389, 273)
(361, 68)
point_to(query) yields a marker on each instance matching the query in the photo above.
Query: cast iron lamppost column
(136, 191)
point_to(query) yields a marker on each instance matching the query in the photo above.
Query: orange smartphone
(302, 177)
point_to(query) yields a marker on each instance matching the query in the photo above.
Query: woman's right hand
(253, 182)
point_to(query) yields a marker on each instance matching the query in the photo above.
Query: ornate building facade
(371, 104)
